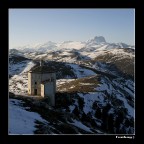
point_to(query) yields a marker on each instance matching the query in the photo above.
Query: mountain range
(98, 42)
(95, 88)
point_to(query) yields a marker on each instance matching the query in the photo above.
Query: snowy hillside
(18, 82)
(94, 87)
(22, 121)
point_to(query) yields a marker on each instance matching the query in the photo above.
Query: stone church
(42, 82)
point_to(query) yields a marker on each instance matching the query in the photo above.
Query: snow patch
(81, 72)
(20, 120)
(81, 126)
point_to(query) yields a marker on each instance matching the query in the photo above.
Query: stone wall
(35, 80)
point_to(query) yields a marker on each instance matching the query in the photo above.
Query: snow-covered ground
(102, 51)
(90, 98)
(18, 83)
(129, 108)
(16, 68)
(81, 126)
(107, 86)
(22, 121)
(62, 81)
(81, 72)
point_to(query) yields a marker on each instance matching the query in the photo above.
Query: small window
(35, 82)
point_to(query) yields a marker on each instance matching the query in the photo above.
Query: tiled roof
(42, 69)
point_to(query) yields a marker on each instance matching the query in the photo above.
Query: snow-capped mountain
(72, 45)
(38, 47)
(98, 42)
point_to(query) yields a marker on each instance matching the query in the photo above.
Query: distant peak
(99, 39)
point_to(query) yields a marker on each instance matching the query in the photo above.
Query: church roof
(42, 69)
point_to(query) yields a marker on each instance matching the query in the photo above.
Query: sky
(34, 26)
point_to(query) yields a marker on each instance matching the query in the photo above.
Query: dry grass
(124, 64)
(83, 85)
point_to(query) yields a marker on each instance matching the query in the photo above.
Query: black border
(4, 137)
(71, 3)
